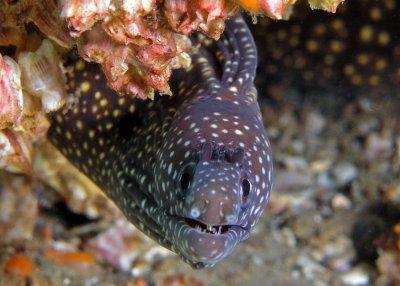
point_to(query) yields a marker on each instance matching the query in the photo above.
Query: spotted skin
(356, 49)
(193, 171)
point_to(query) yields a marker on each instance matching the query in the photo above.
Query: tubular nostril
(195, 212)
(227, 214)
(230, 218)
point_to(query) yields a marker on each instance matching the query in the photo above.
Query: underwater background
(329, 90)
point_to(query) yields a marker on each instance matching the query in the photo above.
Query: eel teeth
(208, 228)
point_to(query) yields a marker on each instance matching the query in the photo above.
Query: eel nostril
(195, 213)
(230, 218)
(227, 214)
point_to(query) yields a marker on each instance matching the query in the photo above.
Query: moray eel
(193, 171)
(354, 50)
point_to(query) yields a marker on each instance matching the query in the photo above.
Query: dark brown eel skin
(193, 171)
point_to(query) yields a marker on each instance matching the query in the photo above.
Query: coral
(28, 90)
(327, 5)
(15, 151)
(132, 41)
(29, 69)
(10, 92)
(277, 9)
(43, 14)
(281, 9)
(41, 76)
(206, 16)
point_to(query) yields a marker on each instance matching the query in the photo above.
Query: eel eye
(185, 181)
(246, 189)
(186, 176)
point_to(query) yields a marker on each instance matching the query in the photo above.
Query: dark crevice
(127, 124)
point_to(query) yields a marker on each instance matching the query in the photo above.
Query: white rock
(356, 277)
(340, 201)
(344, 172)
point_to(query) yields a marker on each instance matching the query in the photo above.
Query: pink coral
(137, 43)
(205, 15)
(10, 92)
(83, 14)
(274, 8)
(129, 40)
(28, 90)
(15, 151)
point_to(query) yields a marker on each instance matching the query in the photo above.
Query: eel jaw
(201, 245)
(198, 244)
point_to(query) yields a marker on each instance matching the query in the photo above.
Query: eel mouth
(207, 228)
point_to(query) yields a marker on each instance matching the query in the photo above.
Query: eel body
(193, 170)
(356, 49)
